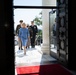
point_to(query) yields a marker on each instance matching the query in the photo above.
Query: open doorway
(9, 38)
(27, 15)
(31, 57)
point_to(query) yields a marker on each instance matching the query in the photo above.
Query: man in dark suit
(17, 33)
(34, 33)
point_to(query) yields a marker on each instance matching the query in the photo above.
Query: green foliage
(38, 20)
(40, 33)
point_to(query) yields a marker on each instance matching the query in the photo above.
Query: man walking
(17, 33)
(34, 33)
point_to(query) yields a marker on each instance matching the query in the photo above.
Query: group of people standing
(26, 35)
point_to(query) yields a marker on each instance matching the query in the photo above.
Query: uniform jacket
(17, 29)
(34, 30)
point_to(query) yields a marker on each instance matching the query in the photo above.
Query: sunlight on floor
(32, 56)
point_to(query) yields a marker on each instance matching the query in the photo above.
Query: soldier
(30, 32)
(17, 33)
(34, 33)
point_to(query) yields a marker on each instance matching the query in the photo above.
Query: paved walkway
(33, 57)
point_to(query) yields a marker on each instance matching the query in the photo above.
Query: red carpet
(53, 69)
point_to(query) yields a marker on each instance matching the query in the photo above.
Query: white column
(45, 47)
(49, 2)
(45, 23)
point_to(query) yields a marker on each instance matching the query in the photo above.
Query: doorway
(22, 8)
(28, 15)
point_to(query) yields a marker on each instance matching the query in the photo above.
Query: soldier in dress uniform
(17, 33)
(34, 33)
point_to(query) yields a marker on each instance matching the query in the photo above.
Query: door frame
(53, 54)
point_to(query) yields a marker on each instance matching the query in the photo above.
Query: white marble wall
(49, 2)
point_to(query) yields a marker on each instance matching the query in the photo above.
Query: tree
(38, 20)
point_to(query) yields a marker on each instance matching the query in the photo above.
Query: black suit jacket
(17, 29)
(34, 30)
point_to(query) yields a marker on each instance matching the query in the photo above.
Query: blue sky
(26, 14)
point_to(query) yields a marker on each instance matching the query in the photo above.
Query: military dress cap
(21, 20)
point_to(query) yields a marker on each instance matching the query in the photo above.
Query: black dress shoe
(21, 49)
(33, 46)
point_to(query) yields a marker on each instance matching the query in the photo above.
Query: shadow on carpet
(52, 69)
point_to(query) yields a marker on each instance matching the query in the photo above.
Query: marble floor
(33, 57)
